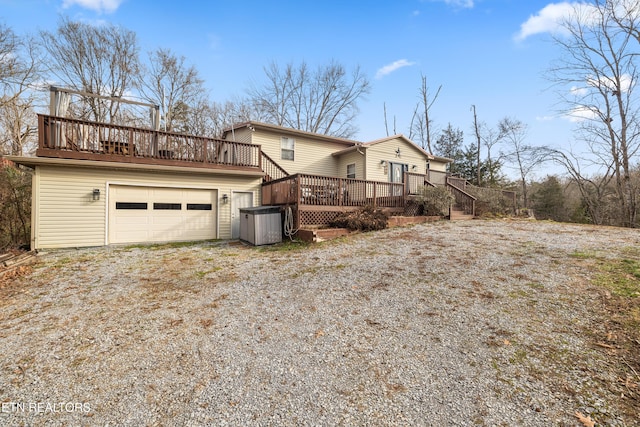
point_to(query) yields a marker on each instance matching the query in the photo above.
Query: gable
(311, 155)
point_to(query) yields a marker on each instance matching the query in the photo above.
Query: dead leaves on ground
(585, 420)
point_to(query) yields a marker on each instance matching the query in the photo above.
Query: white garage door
(154, 214)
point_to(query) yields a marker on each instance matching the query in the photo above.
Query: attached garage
(160, 214)
(81, 203)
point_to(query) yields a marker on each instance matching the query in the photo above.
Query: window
(287, 146)
(351, 170)
(131, 205)
(198, 206)
(167, 206)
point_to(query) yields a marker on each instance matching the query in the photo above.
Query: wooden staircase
(457, 213)
(464, 207)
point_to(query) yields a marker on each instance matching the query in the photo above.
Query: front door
(239, 200)
(396, 174)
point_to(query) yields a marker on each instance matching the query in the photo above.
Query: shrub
(435, 201)
(366, 219)
(490, 202)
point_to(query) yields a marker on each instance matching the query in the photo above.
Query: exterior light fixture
(225, 199)
(398, 152)
(414, 167)
(95, 194)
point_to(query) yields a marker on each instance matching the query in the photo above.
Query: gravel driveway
(447, 323)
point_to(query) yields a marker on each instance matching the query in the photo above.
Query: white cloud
(100, 6)
(608, 83)
(578, 91)
(580, 114)
(548, 20)
(390, 68)
(468, 4)
(552, 17)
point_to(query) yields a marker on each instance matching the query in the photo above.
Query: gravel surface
(447, 323)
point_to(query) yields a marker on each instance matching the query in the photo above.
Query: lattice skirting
(317, 217)
(413, 208)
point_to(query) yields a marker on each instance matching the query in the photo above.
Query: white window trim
(292, 150)
(354, 171)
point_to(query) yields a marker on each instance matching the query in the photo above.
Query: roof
(266, 126)
(351, 144)
(389, 138)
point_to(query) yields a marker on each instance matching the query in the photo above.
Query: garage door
(155, 214)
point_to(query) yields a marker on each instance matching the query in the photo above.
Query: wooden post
(132, 147)
(375, 196)
(42, 135)
(204, 143)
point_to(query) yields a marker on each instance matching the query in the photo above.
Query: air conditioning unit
(261, 225)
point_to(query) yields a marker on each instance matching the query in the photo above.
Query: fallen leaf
(507, 342)
(586, 421)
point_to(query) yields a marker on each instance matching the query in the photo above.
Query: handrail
(459, 183)
(465, 200)
(318, 190)
(272, 169)
(75, 138)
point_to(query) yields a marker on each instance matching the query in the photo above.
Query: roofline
(401, 136)
(54, 161)
(277, 128)
(443, 159)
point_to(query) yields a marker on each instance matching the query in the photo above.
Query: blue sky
(489, 53)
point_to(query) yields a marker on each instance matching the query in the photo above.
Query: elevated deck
(84, 140)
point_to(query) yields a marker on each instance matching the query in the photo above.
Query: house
(319, 176)
(100, 183)
(298, 151)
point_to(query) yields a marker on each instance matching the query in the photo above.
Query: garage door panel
(166, 217)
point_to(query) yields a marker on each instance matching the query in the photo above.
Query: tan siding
(311, 156)
(409, 155)
(352, 157)
(240, 135)
(438, 166)
(66, 215)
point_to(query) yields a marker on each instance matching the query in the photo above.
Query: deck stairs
(456, 213)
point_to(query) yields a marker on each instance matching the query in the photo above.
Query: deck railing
(315, 190)
(460, 183)
(437, 178)
(272, 170)
(463, 199)
(415, 181)
(64, 137)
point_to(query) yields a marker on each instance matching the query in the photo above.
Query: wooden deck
(84, 140)
(316, 200)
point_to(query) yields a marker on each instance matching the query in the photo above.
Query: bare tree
(224, 115)
(19, 71)
(522, 157)
(386, 124)
(324, 101)
(176, 87)
(490, 137)
(101, 60)
(599, 72)
(594, 189)
(479, 139)
(421, 122)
